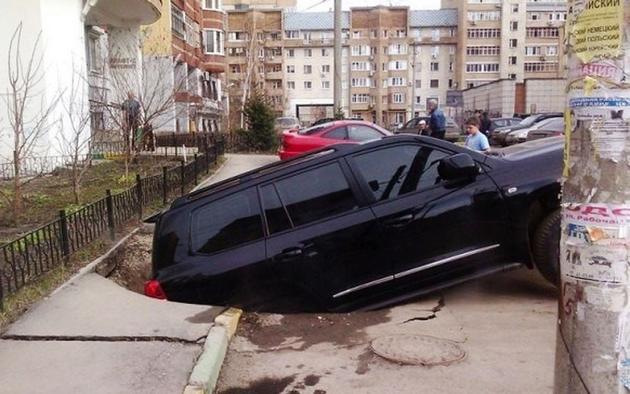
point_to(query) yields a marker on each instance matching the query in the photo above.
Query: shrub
(260, 133)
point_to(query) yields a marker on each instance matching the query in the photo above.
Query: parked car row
(331, 230)
(515, 133)
(453, 133)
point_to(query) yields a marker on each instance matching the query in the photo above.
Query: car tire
(546, 247)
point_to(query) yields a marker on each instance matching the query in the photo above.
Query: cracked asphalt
(505, 323)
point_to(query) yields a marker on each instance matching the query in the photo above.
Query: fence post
(140, 195)
(65, 240)
(181, 172)
(109, 203)
(164, 186)
(196, 170)
(216, 153)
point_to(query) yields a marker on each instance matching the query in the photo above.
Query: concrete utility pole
(337, 54)
(593, 338)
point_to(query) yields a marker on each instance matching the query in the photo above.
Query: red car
(296, 143)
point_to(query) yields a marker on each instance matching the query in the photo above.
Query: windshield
(285, 121)
(314, 129)
(528, 121)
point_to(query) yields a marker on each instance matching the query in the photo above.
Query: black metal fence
(25, 259)
(35, 166)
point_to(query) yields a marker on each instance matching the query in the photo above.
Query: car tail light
(153, 289)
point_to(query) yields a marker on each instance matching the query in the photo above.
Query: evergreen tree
(259, 117)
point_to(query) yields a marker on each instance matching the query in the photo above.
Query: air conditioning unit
(542, 58)
(371, 73)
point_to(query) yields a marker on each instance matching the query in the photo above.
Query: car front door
(322, 235)
(431, 226)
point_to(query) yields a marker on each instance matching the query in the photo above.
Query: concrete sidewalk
(92, 335)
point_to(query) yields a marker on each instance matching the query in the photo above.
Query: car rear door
(431, 226)
(322, 233)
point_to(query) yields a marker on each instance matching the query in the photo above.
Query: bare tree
(29, 114)
(163, 78)
(74, 137)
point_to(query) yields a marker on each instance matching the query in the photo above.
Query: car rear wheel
(546, 247)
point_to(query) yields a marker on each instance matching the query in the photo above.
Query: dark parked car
(331, 230)
(495, 123)
(546, 132)
(498, 135)
(453, 131)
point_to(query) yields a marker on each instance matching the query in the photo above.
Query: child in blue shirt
(476, 140)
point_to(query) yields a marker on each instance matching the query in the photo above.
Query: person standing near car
(437, 122)
(422, 127)
(486, 123)
(475, 139)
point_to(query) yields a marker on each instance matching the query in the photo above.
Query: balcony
(122, 13)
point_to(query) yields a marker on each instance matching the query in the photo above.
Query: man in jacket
(437, 122)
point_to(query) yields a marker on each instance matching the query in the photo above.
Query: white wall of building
(545, 95)
(496, 97)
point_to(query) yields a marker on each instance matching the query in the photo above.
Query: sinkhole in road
(418, 350)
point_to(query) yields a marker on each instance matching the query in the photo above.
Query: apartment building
(309, 64)
(230, 5)
(185, 57)
(255, 59)
(393, 60)
(509, 39)
(75, 38)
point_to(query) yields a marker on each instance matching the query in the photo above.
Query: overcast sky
(327, 5)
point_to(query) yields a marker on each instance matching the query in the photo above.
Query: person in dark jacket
(486, 123)
(437, 122)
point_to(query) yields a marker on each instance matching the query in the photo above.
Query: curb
(205, 373)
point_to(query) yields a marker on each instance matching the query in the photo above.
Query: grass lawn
(45, 196)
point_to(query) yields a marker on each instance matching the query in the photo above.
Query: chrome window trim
(415, 270)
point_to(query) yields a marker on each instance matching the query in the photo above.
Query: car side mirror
(458, 166)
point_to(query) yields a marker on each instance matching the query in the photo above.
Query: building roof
(314, 20)
(430, 18)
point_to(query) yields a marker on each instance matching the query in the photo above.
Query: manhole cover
(417, 349)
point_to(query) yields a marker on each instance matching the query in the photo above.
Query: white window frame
(214, 5)
(218, 41)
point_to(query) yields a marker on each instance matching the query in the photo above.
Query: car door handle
(400, 221)
(290, 253)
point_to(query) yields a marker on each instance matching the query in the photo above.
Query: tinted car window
(340, 133)
(316, 194)
(277, 219)
(401, 169)
(226, 222)
(362, 133)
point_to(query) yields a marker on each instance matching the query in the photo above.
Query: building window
(360, 98)
(292, 34)
(397, 81)
(213, 41)
(307, 36)
(484, 33)
(398, 98)
(512, 60)
(482, 67)
(235, 68)
(450, 66)
(94, 53)
(533, 50)
(450, 83)
(418, 84)
(398, 49)
(359, 66)
(513, 42)
(308, 69)
(401, 33)
(552, 50)
(483, 50)
(178, 22)
(543, 32)
(290, 69)
(308, 84)
(418, 100)
(435, 35)
(434, 83)
(308, 52)
(325, 52)
(212, 4)
(513, 25)
(398, 65)
(475, 16)
(360, 50)
(325, 84)
(435, 66)
(276, 84)
(541, 66)
(291, 85)
(326, 68)
(515, 8)
(290, 52)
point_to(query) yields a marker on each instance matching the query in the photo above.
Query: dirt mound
(132, 266)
